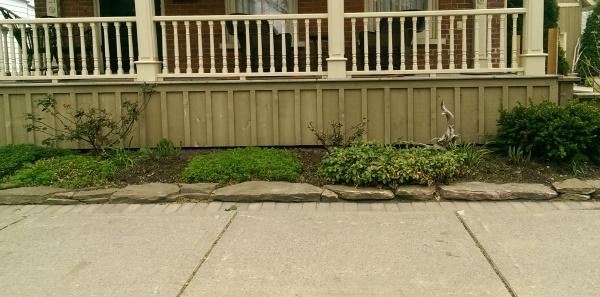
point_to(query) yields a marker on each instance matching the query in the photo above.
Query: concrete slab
(346, 254)
(6, 220)
(105, 254)
(550, 253)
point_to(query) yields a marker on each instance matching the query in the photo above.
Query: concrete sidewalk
(304, 249)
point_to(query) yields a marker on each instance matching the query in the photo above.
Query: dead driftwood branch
(449, 137)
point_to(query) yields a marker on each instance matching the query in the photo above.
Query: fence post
(336, 63)
(533, 57)
(148, 65)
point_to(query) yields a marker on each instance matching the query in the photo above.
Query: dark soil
(495, 168)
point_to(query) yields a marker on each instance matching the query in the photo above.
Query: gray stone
(94, 195)
(199, 191)
(574, 186)
(27, 195)
(60, 201)
(259, 191)
(489, 191)
(329, 196)
(415, 192)
(146, 193)
(352, 193)
(96, 200)
(572, 196)
(596, 184)
(64, 195)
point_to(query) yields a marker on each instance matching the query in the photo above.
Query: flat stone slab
(28, 195)
(574, 186)
(596, 184)
(345, 254)
(352, 193)
(415, 192)
(572, 196)
(94, 195)
(489, 191)
(105, 255)
(537, 255)
(146, 193)
(329, 196)
(260, 191)
(199, 191)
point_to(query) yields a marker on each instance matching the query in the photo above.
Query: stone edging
(261, 191)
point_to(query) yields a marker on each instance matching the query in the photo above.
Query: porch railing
(67, 48)
(150, 48)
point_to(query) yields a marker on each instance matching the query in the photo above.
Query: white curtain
(263, 7)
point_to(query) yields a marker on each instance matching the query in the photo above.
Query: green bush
(14, 156)
(65, 172)
(379, 165)
(242, 164)
(552, 132)
(164, 149)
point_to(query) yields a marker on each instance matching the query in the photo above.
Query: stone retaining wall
(261, 191)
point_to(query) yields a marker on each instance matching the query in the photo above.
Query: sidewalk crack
(487, 256)
(22, 218)
(206, 255)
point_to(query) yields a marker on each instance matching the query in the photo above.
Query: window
(263, 7)
(404, 5)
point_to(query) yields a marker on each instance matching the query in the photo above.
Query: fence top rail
(245, 17)
(68, 20)
(423, 13)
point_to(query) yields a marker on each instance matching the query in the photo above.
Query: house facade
(238, 73)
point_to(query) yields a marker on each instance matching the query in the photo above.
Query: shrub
(379, 165)
(549, 131)
(339, 136)
(65, 172)
(164, 148)
(242, 164)
(14, 156)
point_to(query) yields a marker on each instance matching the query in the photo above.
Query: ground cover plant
(14, 156)
(242, 164)
(372, 163)
(75, 171)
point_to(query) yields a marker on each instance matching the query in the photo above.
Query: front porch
(222, 82)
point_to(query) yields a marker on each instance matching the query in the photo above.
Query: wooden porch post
(336, 63)
(533, 57)
(148, 65)
(482, 34)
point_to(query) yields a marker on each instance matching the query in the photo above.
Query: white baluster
(271, 43)
(82, 50)
(224, 47)
(96, 50)
(283, 47)
(176, 46)
(200, 49)
(47, 52)
(377, 45)
(260, 47)
(403, 52)
(59, 47)
(165, 55)
(353, 21)
(72, 70)
(107, 66)
(414, 43)
(476, 43)
(36, 50)
(489, 42)
(502, 41)
(307, 44)
(119, 54)
(390, 45)
(236, 54)
(319, 47)
(439, 43)
(295, 24)
(464, 42)
(247, 34)
(366, 44)
(25, 67)
(3, 49)
(427, 36)
(213, 68)
(188, 48)
(130, 43)
(451, 33)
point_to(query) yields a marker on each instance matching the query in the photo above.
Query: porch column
(533, 57)
(336, 63)
(482, 34)
(148, 65)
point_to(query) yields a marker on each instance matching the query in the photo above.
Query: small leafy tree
(588, 64)
(94, 126)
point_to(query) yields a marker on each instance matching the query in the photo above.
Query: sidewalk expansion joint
(487, 256)
(206, 255)
(12, 223)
